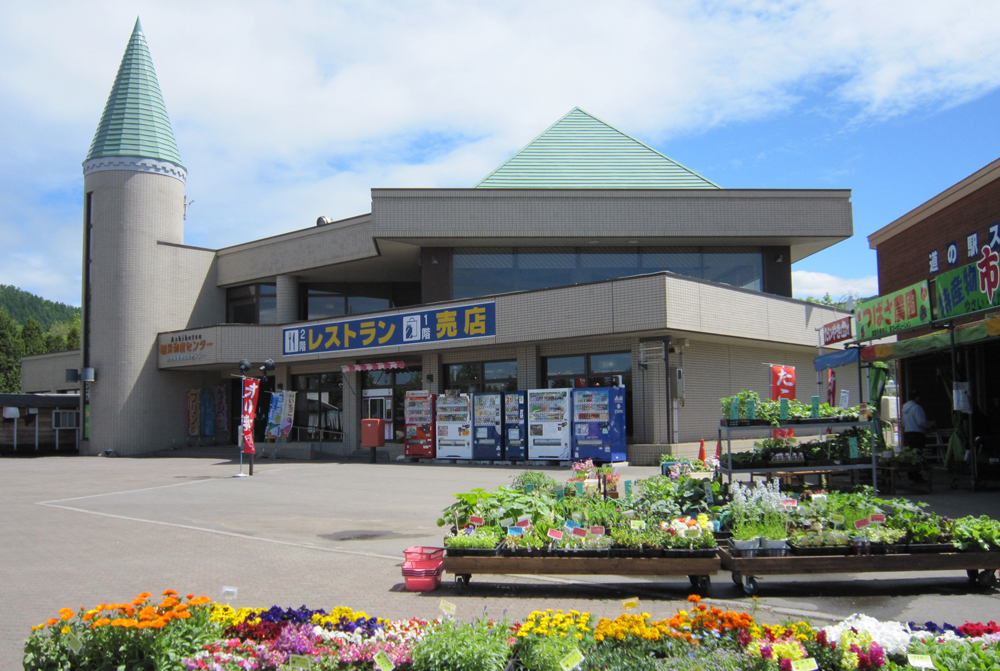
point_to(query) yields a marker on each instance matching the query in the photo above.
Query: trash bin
(373, 434)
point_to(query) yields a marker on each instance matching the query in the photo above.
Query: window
(251, 304)
(480, 377)
(318, 407)
(321, 300)
(592, 370)
(486, 271)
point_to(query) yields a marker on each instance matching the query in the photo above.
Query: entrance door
(380, 407)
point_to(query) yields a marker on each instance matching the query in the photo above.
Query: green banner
(901, 310)
(967, 289)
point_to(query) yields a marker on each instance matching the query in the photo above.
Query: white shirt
(914, 419)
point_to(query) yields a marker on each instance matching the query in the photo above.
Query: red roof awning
(384, 365)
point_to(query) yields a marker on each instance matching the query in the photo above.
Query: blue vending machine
(599, 424)
(487, 426)
(515, 425)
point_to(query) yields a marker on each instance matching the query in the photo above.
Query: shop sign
(410, 328)
(251, 386)
(837, 331)
(185, 347)
(901, 310)
(782, 386)
(194, 411)
(969, 288)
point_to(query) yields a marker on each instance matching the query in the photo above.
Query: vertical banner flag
(274, 416)
(251, 386)
(783, 386)
(287, 414)
(221, 410)
(207, 412)
(831, 387)
(194, 411)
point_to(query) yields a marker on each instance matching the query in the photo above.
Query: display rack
(726, 466)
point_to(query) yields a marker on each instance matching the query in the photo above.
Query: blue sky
(285, 111)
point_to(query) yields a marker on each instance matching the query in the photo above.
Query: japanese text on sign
(970, 288)
(837, 331)
(427, 326)
(891, 313)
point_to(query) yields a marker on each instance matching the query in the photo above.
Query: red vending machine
(418, 412)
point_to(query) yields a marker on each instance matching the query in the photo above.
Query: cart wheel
(694, 580)
(466, 577)
(459, 584)
(987, 578)
(972, 573)
(703, 584)
(750, 586)
(737, 579)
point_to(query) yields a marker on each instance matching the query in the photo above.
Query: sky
(286, 111)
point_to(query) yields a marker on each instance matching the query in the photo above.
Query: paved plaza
(77, 531)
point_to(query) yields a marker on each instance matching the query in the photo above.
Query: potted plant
(478, 542)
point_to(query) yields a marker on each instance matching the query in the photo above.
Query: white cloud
(806, 283)
(286, 111)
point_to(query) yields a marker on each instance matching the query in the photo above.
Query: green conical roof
(582, 152)
(135, 121)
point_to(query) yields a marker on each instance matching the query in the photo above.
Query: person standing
(915, 426)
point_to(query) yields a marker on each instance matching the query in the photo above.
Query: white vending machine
(549, 424)
(454, 426)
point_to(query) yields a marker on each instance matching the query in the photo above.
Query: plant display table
(698, 570)
(980, 566)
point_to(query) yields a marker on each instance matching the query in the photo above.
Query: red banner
(782, 386)
(831, 387)
(250, 388)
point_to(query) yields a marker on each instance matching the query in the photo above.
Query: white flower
(894, 637)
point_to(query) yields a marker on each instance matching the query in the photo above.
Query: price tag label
(571, 661)
(852, 444)
(580, 531)
(509, 522)
(694, 532)
(628, 513)
(637, 524)
(448, 608)
(921, 661)
(818, 498)
(807, 664)
(560, 494)
(556, 534)
(382, 661)
(837, 519)
(570, 524)
(877, 519)
(783, 410)
(628, 489)
(476, 521)
(861, 524)
(596, 531)
(523, 523)
(579, 488)
(228, 593)
(528, 488)
(515, 531)
(73, 642)
(790, 503)
(299, 662)
(629, 604)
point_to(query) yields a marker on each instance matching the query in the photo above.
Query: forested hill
(20, 305)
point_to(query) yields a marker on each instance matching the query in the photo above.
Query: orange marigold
(138, 601)
(169, 602)
(52, 621)
(100, 623)
(181, 606)
(182, 615)
(200, 600)
(169, 592)
(189, 596)
(157, 624)
(87, 617)
(694, 598)
(145, 595)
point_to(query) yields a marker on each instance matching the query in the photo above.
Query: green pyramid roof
(582, 152)
(135, 121)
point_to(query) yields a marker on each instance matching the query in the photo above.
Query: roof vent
(323, 221)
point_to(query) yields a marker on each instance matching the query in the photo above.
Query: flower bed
(192, 633)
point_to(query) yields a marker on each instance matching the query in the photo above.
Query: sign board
(447, 324)
(970, 288)
(188, 346)
(901, 310)
(837, 331)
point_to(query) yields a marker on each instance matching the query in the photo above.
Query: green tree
(73, 336)
(32, 337)
(55, 342)
(11, 351)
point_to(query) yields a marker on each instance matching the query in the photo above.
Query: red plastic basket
(430, 584)
(421, 553)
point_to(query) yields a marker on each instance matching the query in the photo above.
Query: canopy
(836, 359)
(964, 335)
(385, 365)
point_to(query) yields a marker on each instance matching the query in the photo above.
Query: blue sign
(409, 328)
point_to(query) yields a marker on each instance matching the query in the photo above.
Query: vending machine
(454, 426)
(487, 426)
(549, 424)
(418, 412)
(515, 425)
(599, 424)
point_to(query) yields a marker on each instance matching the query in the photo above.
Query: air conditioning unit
(677, 383)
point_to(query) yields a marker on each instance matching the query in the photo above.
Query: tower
(133, 232)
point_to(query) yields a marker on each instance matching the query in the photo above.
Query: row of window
(257, 303)
(488, 271)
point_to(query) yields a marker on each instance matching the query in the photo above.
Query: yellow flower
(65, 630)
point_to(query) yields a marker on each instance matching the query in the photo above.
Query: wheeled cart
(698, 570)
(981, 567)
